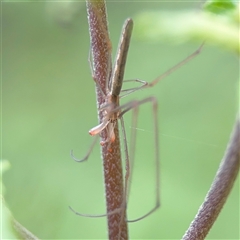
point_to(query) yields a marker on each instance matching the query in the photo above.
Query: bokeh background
(49, 106)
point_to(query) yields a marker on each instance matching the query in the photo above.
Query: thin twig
(113, 176)
(219, 191)
(22, 232)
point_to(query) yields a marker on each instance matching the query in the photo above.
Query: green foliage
(11, 229)
(6, 222)
(220, 7)
(4, 166)
(182, 26)
(6, 216)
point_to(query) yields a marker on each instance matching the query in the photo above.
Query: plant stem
(112, 165)
(219, 191)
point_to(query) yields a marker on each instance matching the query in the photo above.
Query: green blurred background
(49, 106)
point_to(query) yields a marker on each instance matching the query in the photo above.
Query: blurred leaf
(7, 229)
(6, 216)
(219, 6)
(239, 97)
(4, 166)
(185, 26)
(11, 229)
(63, 13)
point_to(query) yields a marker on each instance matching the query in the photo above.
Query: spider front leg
(144, 84)
(175, 67)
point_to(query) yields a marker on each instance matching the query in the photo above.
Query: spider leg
(144, 84)
(178, 65)
(131, 90)
(88, 153)
(95, 216)
(134, 105)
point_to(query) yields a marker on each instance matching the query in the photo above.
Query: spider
(112, 111)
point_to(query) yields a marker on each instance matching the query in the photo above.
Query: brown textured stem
(113, 176)
(219, 191)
